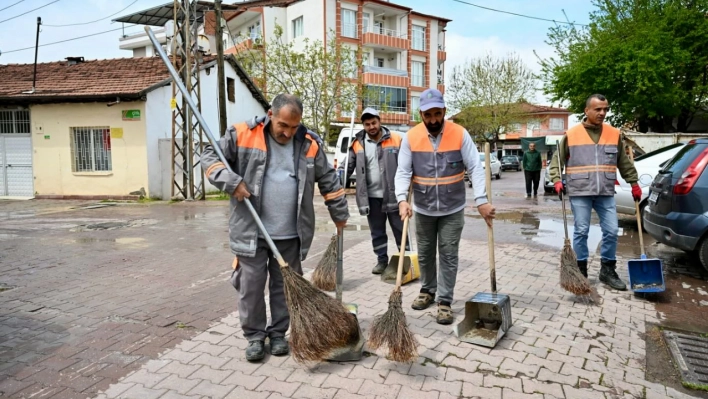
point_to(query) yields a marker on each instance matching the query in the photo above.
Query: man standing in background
(531, 162)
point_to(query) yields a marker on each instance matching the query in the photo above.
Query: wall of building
(52, 158)
(159, 121)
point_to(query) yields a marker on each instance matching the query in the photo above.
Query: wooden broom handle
(490, 231)
(404, 237)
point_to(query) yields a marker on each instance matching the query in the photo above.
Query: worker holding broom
(276, 161)
(592, 152)
(433, 158)
(373, 154)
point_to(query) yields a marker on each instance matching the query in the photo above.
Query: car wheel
(703, 252)
(499, 174)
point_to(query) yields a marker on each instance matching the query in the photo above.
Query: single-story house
(93, 129)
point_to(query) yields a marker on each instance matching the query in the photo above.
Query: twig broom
(571, 279)
(324, 275)
(390, 329)
(318, 322)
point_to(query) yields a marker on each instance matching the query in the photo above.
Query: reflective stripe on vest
(591, 168)
(438, 175)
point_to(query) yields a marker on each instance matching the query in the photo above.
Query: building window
(231, 89)
(351, 63)
(556, 124)
(298, 27)
(415, 107)
(515, 128)
(418, 42)
(91, 149)
(254, 31)
(349, 23)
(14, 121)
(417, 74)
(386, 99)
(365, 21)
(380, 62)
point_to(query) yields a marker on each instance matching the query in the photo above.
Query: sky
(473, 31)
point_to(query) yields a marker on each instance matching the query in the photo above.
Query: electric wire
(63, 41)
(24, 13)
(97, 20)
(519, 15)
(2, 9)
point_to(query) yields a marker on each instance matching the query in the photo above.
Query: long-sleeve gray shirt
(470, 157)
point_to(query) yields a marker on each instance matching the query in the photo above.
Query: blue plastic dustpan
(645, 275)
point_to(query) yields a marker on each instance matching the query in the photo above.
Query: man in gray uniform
(374, 155)
(276, 161)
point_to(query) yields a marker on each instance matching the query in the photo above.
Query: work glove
(637, 192)
(560, 189)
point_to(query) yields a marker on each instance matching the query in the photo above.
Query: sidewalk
(560, 346)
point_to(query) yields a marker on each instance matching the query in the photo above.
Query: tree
(324, 76)
(648, 57)
(488, 92)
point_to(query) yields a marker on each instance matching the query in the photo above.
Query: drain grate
(691, 354)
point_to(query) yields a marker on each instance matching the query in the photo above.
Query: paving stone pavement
(560, 346)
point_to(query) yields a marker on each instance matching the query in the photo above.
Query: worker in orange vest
(434, 156)
(592, 152)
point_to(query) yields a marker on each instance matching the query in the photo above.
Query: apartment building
(403, 50)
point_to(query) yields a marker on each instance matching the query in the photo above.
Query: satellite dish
(203, 44)
(170, 28)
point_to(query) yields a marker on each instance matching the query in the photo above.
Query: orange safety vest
(591, 168)
(438, 174)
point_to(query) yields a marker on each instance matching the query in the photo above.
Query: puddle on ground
(124, 242)
(113, 225)
(546, 230)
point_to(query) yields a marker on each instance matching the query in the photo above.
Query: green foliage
(486, 92)
(324, 75)
(648, 57)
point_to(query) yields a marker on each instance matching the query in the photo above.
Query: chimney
(74, 60)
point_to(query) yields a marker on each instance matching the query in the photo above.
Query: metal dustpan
(645, 275)
(353, 351)
(411, 269)
(487, 315)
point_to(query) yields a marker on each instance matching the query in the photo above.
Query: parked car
(647, 164)
(511, 162)
(676, 214)
(547, 183)
(495, 166)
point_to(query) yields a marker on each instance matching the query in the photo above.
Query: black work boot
(379, 268)
(609, 276)
(255, 351)
(279, 346)
(583, 266)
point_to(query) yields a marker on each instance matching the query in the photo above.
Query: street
(132, 300)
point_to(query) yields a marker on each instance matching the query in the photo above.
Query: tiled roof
(94, 79)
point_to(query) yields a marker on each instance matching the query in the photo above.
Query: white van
(340, 153)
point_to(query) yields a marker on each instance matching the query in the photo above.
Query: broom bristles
(324, 276)
(391, 330)
(571, 279)
(318, 322)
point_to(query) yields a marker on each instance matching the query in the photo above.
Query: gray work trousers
(441, 233)
(249, 279)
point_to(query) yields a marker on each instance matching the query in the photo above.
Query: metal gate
(16, 178)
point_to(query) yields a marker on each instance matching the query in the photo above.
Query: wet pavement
(91, 291)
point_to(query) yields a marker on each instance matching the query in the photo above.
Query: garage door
(16, 165)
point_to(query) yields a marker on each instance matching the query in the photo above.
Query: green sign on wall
(131, 114)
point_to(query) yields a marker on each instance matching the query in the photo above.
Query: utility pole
(220, 67)
(36, 49)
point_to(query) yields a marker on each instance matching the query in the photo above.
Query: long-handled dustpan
(487, 316)
(411, 268)
(353, 351)
(645, 275)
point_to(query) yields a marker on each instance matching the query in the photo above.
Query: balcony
(243, 43)
(375, 36)
(385, 76)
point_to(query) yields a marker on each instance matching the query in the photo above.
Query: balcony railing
(385, 32)
(385, 71)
